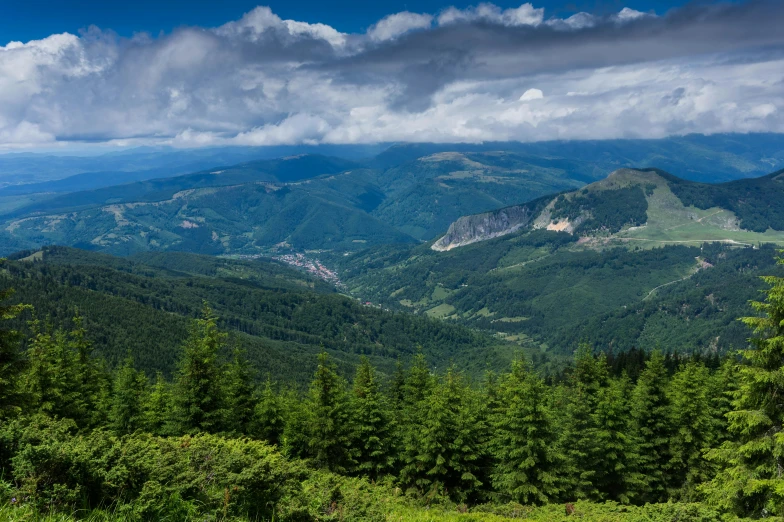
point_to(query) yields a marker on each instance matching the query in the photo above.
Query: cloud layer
(477, 74)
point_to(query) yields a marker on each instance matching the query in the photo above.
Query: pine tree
(751, 477)
(11, 361)
(239, 390)
(268, 415)
(157, 407)
(372, 438)
(524, 441)
(653, 430)
(127, 399)
(198, 397)
(329, 422)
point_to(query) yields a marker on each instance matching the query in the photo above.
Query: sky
(193, 74)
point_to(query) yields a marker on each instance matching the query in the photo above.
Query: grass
(441, 311)
(400, 512)
(670, 222)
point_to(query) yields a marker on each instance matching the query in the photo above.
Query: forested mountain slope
(544, 290)
(282, 317)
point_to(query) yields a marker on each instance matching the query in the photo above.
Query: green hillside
(142, 306)
(594, 264)
(306, 202)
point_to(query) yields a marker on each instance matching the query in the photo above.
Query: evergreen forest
(642, 436)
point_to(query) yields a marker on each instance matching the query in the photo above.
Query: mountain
(550, 272)
(282, 317)
(642, 205)
(714, 158)
(405, 194)
(302, 202)
(124, 166)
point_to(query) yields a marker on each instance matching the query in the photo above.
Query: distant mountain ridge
(405, 194)
(618, 208)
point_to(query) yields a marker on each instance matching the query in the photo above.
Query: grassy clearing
(670, 222)
(441, 311)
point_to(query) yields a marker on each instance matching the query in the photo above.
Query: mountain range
(404, 194)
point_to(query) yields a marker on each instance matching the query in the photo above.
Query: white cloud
(397, 24)
(626, 14)
(526, 14)
(576, 21)
(261, 19)
(262, 80)
(532, 94)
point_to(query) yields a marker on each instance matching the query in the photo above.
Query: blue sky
(231, 73)
(24, 20)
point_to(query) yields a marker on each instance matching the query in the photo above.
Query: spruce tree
(695, 429)
(329, 419)
(198, 395)
(524, 441)
(268, 415)
(751, 477)
(49, 382)
(372, 437)
(11, 361)
(653, 430)
(616, 472)
(126, 413)
(239, 391)
(157, 407)
(445, 449)
(577, 427)
(91, 378)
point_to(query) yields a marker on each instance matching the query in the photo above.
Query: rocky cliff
(480, 227)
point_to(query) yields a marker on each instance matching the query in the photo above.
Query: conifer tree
(198, 398)
(157, 407)
(239, 390)
(49, 381)
(397, 385)
(695, 429)
(751, 477)
(268, 415)
(653, 430)
(524, 441)
(127, 399)
(11, 361)
(577, 427)
(443, 453)
(91, 382)
(419, 381)
(295, 440)
(616, 473)
(372, 438)
(416, 386)
(329, 422)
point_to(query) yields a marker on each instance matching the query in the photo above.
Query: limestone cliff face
(480, 227)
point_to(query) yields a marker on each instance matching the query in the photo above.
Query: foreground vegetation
(683, 440)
